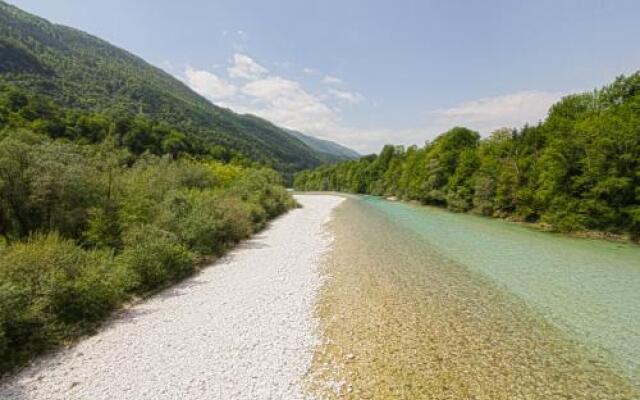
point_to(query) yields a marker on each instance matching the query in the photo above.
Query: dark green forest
(577, 170)
(78, 71)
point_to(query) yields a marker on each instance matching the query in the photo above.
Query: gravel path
(241, 329)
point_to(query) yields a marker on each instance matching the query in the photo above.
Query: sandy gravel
(241, 329)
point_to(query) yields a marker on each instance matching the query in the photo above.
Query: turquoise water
(589, 289)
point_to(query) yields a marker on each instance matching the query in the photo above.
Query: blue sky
(366, 73)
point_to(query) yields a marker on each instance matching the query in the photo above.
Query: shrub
(235, 216)
(206, 221)
(263, 187)
(62, 281)
(93, 293)
(13, 303)
(49, 288)
(40, 264)
(104, 228)
(153, 257)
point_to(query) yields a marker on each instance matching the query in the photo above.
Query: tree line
(96, 211)
(577, 170)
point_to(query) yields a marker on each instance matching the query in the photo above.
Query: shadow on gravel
(252, 244)
(132, 314)
(180, 289)
(13, 394)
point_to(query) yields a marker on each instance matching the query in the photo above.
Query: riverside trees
(577, 170)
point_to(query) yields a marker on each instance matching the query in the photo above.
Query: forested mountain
(333, 151)
(81, 72)
(577, 170)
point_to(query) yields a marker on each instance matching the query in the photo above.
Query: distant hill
(80, 71)
(332, 150)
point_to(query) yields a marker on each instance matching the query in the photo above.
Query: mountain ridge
(80, 70)
(335, 151)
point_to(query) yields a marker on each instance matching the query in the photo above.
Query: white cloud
(282, 101)
(331, 80)
(484, 115)
(287, 103)
(349, 97)
(208, 84)
(490, 113)
(290, 104)
(245, 67)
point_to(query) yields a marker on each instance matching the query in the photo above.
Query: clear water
(420, 303)
(589, 289)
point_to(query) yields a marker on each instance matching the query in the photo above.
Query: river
(419, 302)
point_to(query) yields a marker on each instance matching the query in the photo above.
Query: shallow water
(423, 303)
(588, 288)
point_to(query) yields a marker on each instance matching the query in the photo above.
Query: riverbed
(423, 303)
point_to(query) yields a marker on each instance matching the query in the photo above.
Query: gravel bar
(242, 328)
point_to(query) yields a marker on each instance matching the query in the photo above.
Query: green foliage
(207, 221)
(154, 257)
(85, 226)
(51, 288)
(578, 170)
(13, 302)
(160, 114)
(103, 227)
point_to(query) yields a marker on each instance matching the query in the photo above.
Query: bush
(13, 303)
(191, 216)
(236, 217)
(62, 281)
(207, 221)
(104, 230)
(51, 287)
(153, 257)
(92, 294)
(263, 187)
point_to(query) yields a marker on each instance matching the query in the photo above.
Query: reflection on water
(421, 303)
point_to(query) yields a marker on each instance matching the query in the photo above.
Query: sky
(366, 73)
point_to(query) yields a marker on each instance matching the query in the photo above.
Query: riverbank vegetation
(577, 170)
(96, 211)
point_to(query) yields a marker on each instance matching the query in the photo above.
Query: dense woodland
(95, 211)
(577, 170)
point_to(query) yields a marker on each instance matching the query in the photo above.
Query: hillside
(79, 71)
(332, 150)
